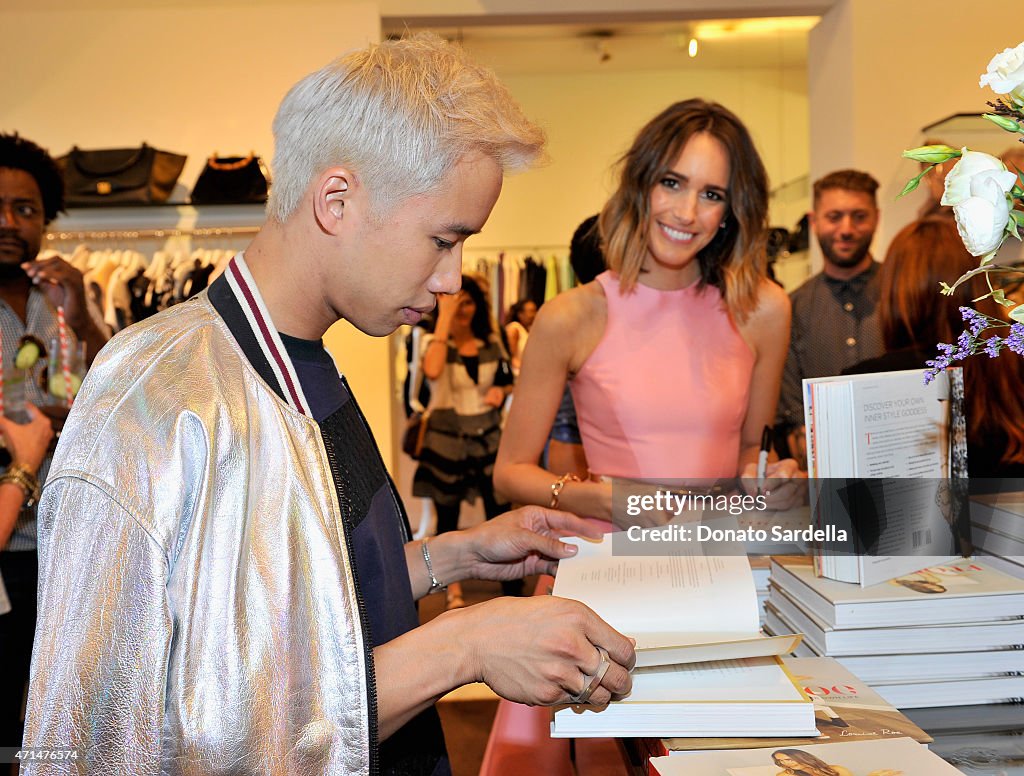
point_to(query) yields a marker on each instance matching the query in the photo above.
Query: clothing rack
(515, 248)
(150, 234)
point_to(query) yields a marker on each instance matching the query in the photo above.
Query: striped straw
(65, 355)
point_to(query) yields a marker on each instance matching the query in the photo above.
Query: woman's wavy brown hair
(914, 314)
(735, 260)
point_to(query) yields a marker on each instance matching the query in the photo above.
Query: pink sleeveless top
(664, 393)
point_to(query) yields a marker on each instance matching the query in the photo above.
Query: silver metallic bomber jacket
(147, 663)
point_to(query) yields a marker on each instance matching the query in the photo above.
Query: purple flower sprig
(971, 341)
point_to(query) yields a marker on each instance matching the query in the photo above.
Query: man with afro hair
(31, 290)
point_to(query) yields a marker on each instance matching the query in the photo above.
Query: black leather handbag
(119, 176)
(231, 180)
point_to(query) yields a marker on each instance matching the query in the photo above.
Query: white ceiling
(632, 46)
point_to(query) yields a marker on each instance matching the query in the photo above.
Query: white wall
(198, 77)
(592, 118)
(189, 77)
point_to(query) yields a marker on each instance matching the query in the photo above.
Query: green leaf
(914, 182)
(945, 288)
(1004, 122)
(1017, 313)
(932, 154)
(999, 296)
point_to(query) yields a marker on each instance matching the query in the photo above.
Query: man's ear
(332, 189)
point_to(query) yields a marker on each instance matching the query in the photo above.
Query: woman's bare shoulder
(572, 323)
(574, 306)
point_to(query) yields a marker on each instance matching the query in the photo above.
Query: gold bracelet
(21, 475)
(557, 485)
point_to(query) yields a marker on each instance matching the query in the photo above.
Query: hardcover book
(883, 757)
(886, 470)
(845, 709)
(749, 697)
(965, 591)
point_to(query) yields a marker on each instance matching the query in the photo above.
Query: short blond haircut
(401, 114)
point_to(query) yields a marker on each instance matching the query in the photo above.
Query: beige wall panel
(591, 120)
(191, 78)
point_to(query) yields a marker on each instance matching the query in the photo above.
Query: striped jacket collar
(237, 299)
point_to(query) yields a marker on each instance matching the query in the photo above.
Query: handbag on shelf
(119, 176)
(415, 430)
(231, 180)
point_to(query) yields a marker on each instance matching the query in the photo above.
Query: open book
(680, 609)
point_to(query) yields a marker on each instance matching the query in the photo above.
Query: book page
(901, 425)
(751, 679)
(685, 599)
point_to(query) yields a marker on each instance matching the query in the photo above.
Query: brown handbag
(119, 176)
(415, 430)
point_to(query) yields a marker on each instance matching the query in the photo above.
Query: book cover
(845, 709)
(885, 472)
(882, 757)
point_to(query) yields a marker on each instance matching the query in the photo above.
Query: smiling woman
(674, 355)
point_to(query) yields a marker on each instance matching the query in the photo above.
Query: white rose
(1005, 74)
(981, 218)
(972, 164)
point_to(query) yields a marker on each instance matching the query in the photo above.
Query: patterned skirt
(458, 456)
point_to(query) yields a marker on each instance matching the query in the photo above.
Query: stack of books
(703, 667)
(845, 709)
(997, 530)
(977, 739)
(946, 635)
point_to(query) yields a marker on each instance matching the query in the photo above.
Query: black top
(378, 545)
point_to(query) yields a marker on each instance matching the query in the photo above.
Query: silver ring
(593, 681)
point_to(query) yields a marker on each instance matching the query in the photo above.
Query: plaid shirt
(41, 323)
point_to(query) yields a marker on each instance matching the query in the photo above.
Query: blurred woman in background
(517, 329)
(469, 376)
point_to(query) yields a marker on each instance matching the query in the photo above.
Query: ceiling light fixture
(692, 48)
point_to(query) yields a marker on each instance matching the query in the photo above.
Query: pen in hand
(762, 458)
